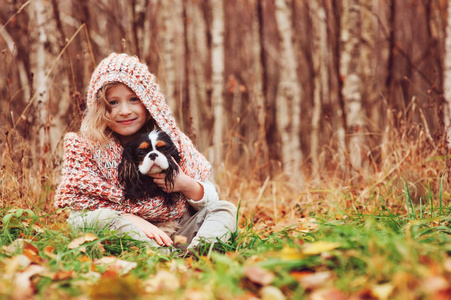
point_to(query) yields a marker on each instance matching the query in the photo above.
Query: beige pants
(214, 221)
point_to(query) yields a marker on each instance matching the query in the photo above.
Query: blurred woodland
(263, 87)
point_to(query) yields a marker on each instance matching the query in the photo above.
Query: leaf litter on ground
(346, 255)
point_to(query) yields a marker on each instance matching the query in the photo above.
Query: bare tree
(447, 79)
(321, 78)
(350, 70)
(217, 62)
(42, 87)
(288, 107)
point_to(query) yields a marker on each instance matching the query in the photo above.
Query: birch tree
(41, 83)
(321, 77)
(288, 98)
(217, 63)
(350, 71)
(447, 79)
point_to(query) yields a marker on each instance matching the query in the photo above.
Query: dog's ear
(176, 155)
(171, 172)
(127, 170)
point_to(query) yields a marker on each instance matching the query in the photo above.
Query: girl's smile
(127, 113)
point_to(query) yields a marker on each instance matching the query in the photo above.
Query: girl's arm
(152, 231)
(81, 186)
(198, 193)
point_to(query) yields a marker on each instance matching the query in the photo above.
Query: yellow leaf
(288, 253)
(89, 237)
(271, 293)
(382, 291)
(320, 247)
(115, 287)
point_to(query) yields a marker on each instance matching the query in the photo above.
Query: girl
(123, 101)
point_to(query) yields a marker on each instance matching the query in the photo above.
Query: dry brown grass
(409, 156)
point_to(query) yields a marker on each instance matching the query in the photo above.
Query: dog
(150, 153)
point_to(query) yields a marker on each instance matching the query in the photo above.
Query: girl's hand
(151, 231)
(189, 187)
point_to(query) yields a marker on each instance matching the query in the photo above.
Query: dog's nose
(153, 156)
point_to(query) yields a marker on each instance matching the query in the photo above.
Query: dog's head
(150, 153)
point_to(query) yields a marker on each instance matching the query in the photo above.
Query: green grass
(359, 252)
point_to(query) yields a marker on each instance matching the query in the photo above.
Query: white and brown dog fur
(150, 153)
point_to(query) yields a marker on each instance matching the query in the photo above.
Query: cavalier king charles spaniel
(151, 153)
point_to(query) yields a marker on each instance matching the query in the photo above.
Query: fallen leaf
(328, 294)
(270, 292)
(319, 247)
(49, 251)
(163, 281)
(22, 287)
(288, 253)
(314, 280)
(259, 275)
(31, 252)
(36, 227)
(286, 224)
(113, 264)
(434, 284)
(84, 258)
(382, 291)
(65, 275)
(117, 287)
(193, 294)
(15, 246)
(307, 224)
(89, 237)
(16, 263)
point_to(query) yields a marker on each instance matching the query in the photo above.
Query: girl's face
(127, 113)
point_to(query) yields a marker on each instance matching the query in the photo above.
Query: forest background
(343, 93)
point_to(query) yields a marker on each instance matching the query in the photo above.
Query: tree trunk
(257, 94)
(321, 79)
(173, 52)
(217, 63)
(447, 79)
(42, 87)
(352, 85)
(288, 98)
(196, 40)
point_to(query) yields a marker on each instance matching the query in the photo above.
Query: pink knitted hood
(131, 72)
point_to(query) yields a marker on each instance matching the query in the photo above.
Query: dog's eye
(141, 153)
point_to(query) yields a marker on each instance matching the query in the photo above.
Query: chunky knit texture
(90, 179)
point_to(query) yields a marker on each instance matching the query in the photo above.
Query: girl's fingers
(166, 240)
(160, 237)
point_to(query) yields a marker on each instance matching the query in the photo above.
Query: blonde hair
(94, 125)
